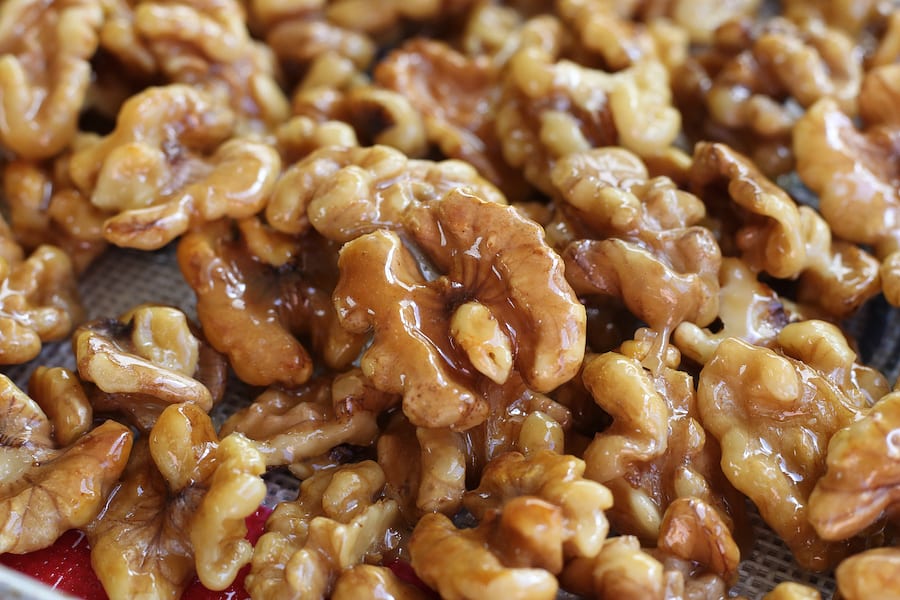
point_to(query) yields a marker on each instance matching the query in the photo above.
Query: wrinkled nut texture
(288, 426)
(347, 192)
(38, 300)
(621, 570)
(363, 580)
(45, 49)
(635, 224)
(693, 530)
(461, 564)
(488, 254)
(338, 520)
(256, 293)
(862, 479)
(774, 414)
(167, 517)
(870, 574)
(146, 360)
(49, 487)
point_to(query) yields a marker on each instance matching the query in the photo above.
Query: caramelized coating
(362, 580)
(288, 426)
(168, 517)
(692, 530)
(489, 254)
(57, 471)
(465, 564)
(638, 224)
(347, 192)
(792, 591)
(38, 299)
(258, 292)
(870, 574)
(621, 570)
(774, 414)
(862, 479)
(45, 53)
(146, 360)
(339, 520)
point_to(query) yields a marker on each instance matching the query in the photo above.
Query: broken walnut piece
(149, 358)
(57, 471)
(694, 531)
(381, 287)
(45, 53)
(340, 519)
(869, 574)
(359, 581)
(180, 508)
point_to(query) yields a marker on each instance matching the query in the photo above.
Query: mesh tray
(121, 279)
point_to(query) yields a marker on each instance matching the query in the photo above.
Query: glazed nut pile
(515, 290)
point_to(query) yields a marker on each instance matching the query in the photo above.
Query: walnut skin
(412, 355)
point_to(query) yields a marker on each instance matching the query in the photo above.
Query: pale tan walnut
(57, 471)
(748, 310)
(625, 223)
(202, 44)
(862, 480)
(852, 16)
(300, 136)
(774, 414)
(345, 192)
(550, 108)
(656, 451)
(39, 301)
(45, 53)
(147, 359)
(339, 520)
(870, 574)
(258, 291)
(792, 591)
(45, 208)
(622, 569)
(464, 564)
(288, 426)
(179, 508)
(361, 581)
(487, 253)
(557, 479)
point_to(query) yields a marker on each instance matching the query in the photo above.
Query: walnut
(180, 507)
(489, 255)
(45, 53)
(692, 530)
(288, 426)
(851, 16)
(253, 307)
(346, 192)
(339, 520)
(145, 360)
(854, 172)
(621, 570)
(630, 222)
(870, 574)
(774, 414)
(57, 471)
(39, 302)
(792, 591)
(862, 479)
(363, 580)
(300, 136)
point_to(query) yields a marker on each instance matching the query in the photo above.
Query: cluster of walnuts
(514, 283)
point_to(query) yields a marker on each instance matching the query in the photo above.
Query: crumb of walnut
(381, 287)
(145, 360)
(57, 470)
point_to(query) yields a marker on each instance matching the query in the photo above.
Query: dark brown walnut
(346, 192)
(625, 223)
(501, 303)
(167, 167)
(339, 520)
(202, 44)
(655, 451)
(179, 509)
(39, 300)
(550, 108)
(291, 425)
(854, 171)
(862, 478)
(45, 53)
(57, 471)
(147, 359)
(870, 574)
(774, 414)
(752, 84)
(258, 292)
(45, 208)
